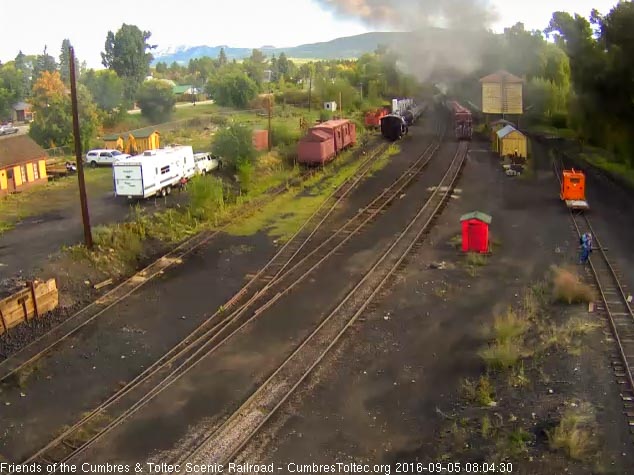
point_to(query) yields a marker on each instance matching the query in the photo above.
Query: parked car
(206, 162)
(8, 129)
(98, 157)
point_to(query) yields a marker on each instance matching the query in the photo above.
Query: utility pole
(269, 137)
(310, 89)
(80, 162)
(340, 105)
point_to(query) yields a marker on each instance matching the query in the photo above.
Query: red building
(475, 232)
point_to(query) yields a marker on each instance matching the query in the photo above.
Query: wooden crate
(32, 302)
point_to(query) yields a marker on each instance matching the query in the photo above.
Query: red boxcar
(324, 141)
(373, 118)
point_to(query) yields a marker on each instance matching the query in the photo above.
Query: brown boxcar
(317, 147)
(325, 140)
(373, 118)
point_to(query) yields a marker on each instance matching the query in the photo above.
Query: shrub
(501, 355)
(559, 120)
(568, 287)
(282, 134)
(235, 143)
(156, 100)
(509, 326)
(574, 434)
(206, 198)
(245, 170)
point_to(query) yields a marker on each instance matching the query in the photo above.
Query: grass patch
(512, 445)
(566, 336)
(575, 434)
(480, 392)
(518, 378)
(545, 129)
(283, 216)
(501, 355)
(509, 326)
(568, 286)
(616, 168)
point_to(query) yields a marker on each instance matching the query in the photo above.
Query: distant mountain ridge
(339, 48)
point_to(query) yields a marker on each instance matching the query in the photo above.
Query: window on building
(23, 173)
(36, 172)
(165, 170)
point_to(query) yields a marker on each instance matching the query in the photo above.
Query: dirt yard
(409, 384)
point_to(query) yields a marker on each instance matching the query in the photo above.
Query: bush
(156, 100)
(575, 433)
(559, 120)
(282, 134)
(325, 115)
(244, 170)
(234, 144)
(501, 355)
(568, 287)
(206, 197)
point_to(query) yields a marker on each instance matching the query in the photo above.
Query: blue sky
(241, 23)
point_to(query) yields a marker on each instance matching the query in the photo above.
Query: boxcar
(462, 120)
(324, 141)
(373, 118)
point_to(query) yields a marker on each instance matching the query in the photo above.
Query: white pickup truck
(8, 129)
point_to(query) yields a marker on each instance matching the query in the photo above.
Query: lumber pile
(37, 299)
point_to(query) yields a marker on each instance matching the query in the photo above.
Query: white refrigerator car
(154, 173)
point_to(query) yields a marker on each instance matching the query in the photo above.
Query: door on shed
(477, 236)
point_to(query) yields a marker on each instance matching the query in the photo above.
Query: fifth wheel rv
(154, 173)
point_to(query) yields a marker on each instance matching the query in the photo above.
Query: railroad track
(226, 442)
(225, 323)
(69, 327)
(125, 401)
(614, 304)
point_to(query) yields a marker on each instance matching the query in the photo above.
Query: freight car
(462, 120)
(324, 141)
(393, 127)
(373, 118)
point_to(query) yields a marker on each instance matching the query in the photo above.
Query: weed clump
(480, 392)
(568, 287)
(575, 433)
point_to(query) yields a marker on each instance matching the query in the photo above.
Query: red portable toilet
(475, 232)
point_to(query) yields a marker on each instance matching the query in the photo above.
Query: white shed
(330, 106)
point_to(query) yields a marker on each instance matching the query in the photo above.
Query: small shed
(495, 126)
(475, 232)
(260, 140)
(330, 106)
(22, 112)
(511, 141)
(22, 164)
(114, 141)
(141, 141)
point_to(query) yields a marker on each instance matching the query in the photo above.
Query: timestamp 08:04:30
(453, 467)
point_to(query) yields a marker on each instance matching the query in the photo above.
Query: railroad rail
(69, 327)
(614, 304)
(219, 328)
(67, 443)
(226, 442)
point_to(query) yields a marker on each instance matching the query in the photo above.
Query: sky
(237, 23)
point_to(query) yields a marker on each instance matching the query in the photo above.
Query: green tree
(105, 87)
(232, 88)
(53, 125)
(222, 58)
(235, 144)
(255, 65)
(11, 88)
(44, 62)
(156, 100)
(64, 62)
(128, 54)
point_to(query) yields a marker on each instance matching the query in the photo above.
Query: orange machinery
(573, 189)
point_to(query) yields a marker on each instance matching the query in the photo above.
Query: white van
(154, 173)
(205, 162)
